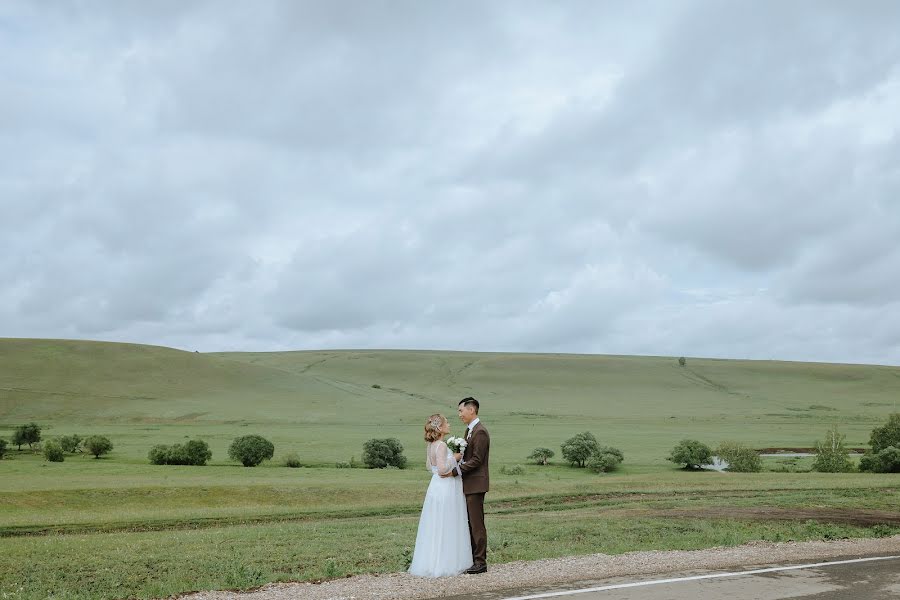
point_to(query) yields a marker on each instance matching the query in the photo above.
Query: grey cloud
(698, 178)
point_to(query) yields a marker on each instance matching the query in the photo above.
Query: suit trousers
(477, 530)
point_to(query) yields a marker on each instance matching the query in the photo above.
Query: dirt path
(402, 586)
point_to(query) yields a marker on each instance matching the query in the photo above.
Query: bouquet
(456, 444)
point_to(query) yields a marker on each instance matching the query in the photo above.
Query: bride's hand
(457, 456)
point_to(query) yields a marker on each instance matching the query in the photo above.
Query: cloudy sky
(675, 178)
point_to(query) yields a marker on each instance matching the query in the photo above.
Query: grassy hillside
(156, 531)
(325, 404)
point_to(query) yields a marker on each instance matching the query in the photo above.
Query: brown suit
(476, 481)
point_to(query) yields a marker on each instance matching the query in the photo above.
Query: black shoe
(476, 569)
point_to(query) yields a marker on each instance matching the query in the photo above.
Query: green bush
(70, 443)
(605, 459)
(381, 453)
(98, 445)
(27, 434)
(292, 460)
(54, 452)
(886, 461)
(692, 454)
(194, 453)
(740, 458)
(251, 450)
(578, 448)
(541, 456)
(886, 435)
(513, 470)
(2, 448)
(832, 455)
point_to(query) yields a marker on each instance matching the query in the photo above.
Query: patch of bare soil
(843, 516)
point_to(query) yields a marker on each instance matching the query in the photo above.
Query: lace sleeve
(443, 460)
(428, 463)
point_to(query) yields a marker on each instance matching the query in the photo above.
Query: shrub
(98, 445)
(692, 454)
(513, 470)
(194, 453)
(578, 448)
(70, 443)
(739, 457)
(292, 460)
(682, 361)
(541, 455)
(27, 434)
(832, 455)
(251, 450)
(54, 452)
(886, 461)
(2, 448)
(604, 459)
(886, 435)
(378, 454)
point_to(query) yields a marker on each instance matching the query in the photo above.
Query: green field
(120, 527)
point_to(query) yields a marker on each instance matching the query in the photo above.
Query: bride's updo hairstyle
(433, 427)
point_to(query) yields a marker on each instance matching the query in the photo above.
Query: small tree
(832, 455)
(604, 459)
(886, 435)
(692, 454)
(53, 451)
(379, 454)
(70, 443)
(578, 448)
(2, 448)
(98, 445)
(251, 450)
(541, 455)
(27, 434)
(739, 457)
(682, 361)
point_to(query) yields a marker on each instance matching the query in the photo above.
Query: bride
(443, 546)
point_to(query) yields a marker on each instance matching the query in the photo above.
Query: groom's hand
(452, 473)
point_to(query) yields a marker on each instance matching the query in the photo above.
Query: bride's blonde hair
(433, 427)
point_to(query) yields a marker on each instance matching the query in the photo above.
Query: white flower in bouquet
(457, 444)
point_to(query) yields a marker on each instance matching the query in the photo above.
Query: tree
(54, 452)
(886, 435)
(682, 361)
(98, 445)
(2, 448)
(604, 459)
(541, 455)
(832, 455)
(70, 443)
(739, 457)
(381, 453)
(251, 450)
(578, 448)
(27, 434)
(692, 454)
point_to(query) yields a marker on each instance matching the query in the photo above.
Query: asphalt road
(863, 580)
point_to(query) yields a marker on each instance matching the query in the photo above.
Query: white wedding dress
(442, 543)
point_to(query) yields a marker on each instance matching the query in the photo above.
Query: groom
(474, 472)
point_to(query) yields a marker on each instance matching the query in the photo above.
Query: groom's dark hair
(470, 401)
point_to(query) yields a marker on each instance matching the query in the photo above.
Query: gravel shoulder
(403, 586)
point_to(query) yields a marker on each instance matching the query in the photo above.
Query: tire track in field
(612, 501)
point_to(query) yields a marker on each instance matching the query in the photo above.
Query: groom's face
(466, 413)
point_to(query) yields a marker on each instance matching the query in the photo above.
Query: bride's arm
(444, 462)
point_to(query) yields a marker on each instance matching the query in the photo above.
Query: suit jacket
(475, 474)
